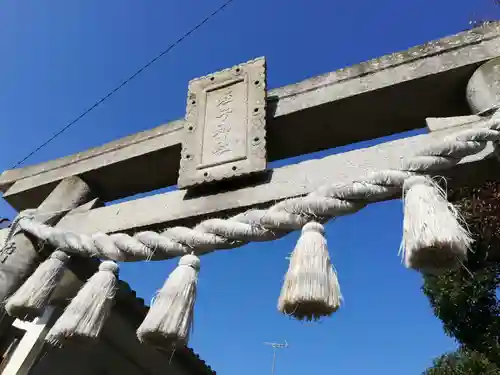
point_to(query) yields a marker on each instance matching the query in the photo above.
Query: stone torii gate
(234, 126)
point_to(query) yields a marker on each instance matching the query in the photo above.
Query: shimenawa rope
(433, 239)
(266, 225)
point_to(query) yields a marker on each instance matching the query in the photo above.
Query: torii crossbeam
(233, 127)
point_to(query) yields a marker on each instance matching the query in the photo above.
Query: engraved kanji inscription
(224, 138)
(225, 125)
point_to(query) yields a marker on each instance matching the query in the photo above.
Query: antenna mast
(275, 346)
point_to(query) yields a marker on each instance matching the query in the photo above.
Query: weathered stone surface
(440, 123)
(177, 208)
(21, 255)
(224, 131)
(483, 89)
(117, 169)
(387, 95)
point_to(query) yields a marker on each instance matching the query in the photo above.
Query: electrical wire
(127, 80)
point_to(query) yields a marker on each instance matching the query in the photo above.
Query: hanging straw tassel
(87, 312)
(31, 298)
(433, 239)
(169, 319)
(311, 289)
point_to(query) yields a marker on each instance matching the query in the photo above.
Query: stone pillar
(18, 259)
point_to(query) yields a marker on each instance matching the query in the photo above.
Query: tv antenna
(275, 346)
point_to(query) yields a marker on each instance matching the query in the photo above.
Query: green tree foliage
(466, 300)
(463, 362)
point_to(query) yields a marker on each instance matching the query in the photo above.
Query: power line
(104, 98)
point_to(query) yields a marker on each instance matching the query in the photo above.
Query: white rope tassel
(433, 238)
(86, 314)
(31, 298)
(169, 319)
(311, 289)
(325, 203)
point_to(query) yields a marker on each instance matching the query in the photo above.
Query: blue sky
(59, 57)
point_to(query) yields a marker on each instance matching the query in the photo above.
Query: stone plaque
(224, 133)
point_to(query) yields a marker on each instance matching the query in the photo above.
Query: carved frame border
(253, 73)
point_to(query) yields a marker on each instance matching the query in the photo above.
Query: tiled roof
(134, 309)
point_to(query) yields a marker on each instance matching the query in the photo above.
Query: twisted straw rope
(265, 225)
